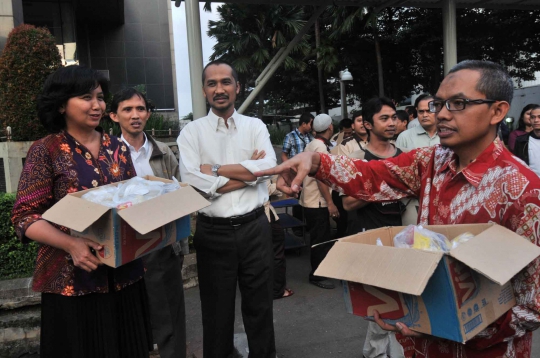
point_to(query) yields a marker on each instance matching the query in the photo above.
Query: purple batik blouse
(55, 166)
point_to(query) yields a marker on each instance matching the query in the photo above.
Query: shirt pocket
(244, 153)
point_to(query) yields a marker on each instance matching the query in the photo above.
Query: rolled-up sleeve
(262, 142)
(190, 165)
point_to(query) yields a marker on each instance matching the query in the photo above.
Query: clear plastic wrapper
(132, 192)
(417, 237)
(460, 239)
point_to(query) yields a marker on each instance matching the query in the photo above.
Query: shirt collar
(474, 172)
(145, 147)
(420, 130)
(216, 120)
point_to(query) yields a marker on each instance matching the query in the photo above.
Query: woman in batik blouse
(88, 309)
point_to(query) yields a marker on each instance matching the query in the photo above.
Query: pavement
(312, 323)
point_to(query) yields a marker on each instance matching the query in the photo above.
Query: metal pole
(343, 99)
(280, 60)
(270, 64)
(449, 34)
(193, 25)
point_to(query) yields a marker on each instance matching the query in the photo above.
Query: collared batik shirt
(495, 188)
(55, 166)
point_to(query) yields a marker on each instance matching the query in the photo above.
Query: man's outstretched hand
(293, 171)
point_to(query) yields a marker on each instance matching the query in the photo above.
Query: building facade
(131, 41)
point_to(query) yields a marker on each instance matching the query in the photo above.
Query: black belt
(233, 220)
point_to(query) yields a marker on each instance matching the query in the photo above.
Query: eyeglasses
(455, 104)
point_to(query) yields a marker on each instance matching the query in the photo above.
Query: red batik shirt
(495, 188)
(55, 166)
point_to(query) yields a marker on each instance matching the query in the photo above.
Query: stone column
(10, 16)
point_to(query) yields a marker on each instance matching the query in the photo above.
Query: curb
(20, 311)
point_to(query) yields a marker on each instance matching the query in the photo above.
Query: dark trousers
(280, 265)
(228, 255)
(165, 289)
(318, 223)
(341, 222)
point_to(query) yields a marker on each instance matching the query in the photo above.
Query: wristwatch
(215, 168)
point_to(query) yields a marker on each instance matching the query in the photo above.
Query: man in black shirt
(379, 115)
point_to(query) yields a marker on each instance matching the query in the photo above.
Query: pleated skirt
(98, 325)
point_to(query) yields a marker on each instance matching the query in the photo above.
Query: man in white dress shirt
(233, 237)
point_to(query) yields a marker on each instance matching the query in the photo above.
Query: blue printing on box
(439, 300)
(347, 297)
(473, 323)
(183, 228)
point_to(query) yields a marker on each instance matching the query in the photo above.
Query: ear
(114, 117)
(237, 87)
(148, 114)
(499, 111)
(367, 125)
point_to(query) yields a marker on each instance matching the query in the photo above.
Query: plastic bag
(132, 192)
(417, 237)
(460, 239)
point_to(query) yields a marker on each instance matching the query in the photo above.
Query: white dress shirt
(141, 158)
(534, 155)
(416, 137)
(415, 122)
(207, 140)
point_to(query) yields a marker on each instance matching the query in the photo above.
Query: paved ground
(310, 324)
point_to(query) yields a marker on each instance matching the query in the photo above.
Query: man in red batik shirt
(469, 178)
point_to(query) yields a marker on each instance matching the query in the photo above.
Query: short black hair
(126, 94)
(305, 117)
(521, 121)
(411, 110)
(60, 86)
(421, 98)
(495, 82)
(345, 123)
(356, 114)
(374, 106)
(402, 115)
(217, 63)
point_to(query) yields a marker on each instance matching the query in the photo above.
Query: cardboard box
(453, 296)
(132, 232)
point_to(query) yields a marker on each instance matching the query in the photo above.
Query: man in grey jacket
(130, 109)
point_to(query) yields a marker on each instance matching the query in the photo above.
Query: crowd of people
(440, 161)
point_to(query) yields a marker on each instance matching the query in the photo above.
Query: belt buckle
(231, 221)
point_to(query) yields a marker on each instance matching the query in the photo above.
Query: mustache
(221, 97)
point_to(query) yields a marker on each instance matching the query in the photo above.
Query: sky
(181, 51)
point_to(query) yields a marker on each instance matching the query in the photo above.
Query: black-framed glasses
(455, 104)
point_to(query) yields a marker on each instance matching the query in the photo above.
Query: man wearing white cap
(316, 199)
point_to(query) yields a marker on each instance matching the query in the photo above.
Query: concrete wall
(10, 16)
(12, 154)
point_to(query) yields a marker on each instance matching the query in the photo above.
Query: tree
(30, 55)
(249, 36)
(410, 51)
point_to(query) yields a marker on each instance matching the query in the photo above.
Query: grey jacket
(165, 165)
(163, 161)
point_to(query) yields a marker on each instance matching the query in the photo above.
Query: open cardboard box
(453, 296)
(132, 232)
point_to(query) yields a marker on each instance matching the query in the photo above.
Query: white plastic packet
(132, 192)
(418, 237)
(460, 239)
